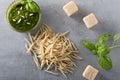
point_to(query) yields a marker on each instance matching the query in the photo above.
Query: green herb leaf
(103, 50)
(25, 1)
(89, 46)
(32, 7)
(103, 38)
(105, 62)
(94, 51)
(116, 37)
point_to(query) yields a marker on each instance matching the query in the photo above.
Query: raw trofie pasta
(52, 51)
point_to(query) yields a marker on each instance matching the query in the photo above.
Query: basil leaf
(32, 7)
(25, 1)
(94, 52)
(105, 62)
(103, 38)
(29, 0)
(116, 37)
(103, 50)
(89, 46)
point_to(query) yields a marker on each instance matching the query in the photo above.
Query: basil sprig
(30, 5)
(101, 49)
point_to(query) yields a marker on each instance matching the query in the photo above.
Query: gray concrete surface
(15, 64)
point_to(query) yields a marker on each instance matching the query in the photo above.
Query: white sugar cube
(90, 20)
(90, 72)
(70, 8)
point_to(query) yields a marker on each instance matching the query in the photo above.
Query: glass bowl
(20, 19)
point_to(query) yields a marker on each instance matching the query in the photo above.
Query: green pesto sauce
(21, 19)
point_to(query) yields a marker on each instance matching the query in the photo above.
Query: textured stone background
(15, 64)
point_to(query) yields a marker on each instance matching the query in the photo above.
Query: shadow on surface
(105, 27)
(78, 16)
(101, 77)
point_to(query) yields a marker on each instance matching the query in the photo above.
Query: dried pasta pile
(52, 51)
